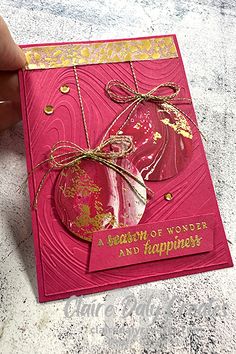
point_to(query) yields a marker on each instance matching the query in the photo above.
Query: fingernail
(23, 57)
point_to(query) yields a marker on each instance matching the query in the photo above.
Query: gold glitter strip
(66, 55)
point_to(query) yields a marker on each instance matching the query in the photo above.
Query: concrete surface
(206, 33)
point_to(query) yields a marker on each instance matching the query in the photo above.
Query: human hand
(11, 59)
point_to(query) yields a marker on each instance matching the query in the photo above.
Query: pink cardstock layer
(62, 259)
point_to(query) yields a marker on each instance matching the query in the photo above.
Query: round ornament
(91, 196)
(162, 138)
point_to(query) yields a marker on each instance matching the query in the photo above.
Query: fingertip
(12, 56)
(21, 58)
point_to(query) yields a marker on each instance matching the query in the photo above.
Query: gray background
(206, 33)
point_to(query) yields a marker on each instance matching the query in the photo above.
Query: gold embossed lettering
(177, 229)
(170, 230)
(169, 247)
(153, 233)
(100, 242)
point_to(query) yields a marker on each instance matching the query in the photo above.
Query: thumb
(11, 56)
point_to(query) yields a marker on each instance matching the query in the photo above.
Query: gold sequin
(48, 109)
(65, 89)
(168, 196)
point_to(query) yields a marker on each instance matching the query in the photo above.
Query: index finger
(11, 56)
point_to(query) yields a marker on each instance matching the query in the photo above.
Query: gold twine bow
(135, 98)
(64, 154)
(133, 95)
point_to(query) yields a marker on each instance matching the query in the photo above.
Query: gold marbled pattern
(66, 55)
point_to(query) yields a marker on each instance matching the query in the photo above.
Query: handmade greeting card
(120, 188)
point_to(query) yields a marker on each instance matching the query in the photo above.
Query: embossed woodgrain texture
(61, 258)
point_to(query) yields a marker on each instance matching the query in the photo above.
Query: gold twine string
(64, 154)
(82, 107)
(134, 97)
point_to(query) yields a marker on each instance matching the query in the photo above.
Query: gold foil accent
(156, 136)
(181, 125)
(66, 55)
(84, 187)
(138, 125)
(97, 221)
(48, 109)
